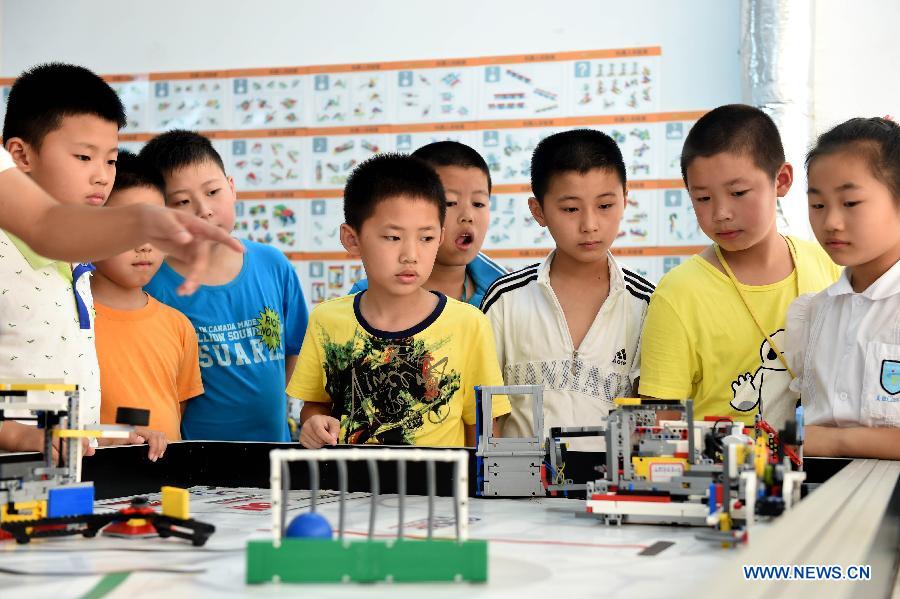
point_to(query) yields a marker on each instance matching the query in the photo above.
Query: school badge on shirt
(890, 376)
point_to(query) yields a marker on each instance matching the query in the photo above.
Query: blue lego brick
(70, 501)
(479, 461)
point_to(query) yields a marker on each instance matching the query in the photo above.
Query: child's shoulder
(259, 255)
(811, 256)
(639, 288)
(687, 277)
(462, 317)
(808, 249)
(169, 315)
(269, 268)
(331, 309)
(484, 270)
(516, 282)
(805, 245)
(462, 310)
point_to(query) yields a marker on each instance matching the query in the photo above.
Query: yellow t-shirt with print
(413, 387)
(700, 342)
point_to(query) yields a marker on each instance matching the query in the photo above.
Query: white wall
(699, 37)
(857, 51)
(856, 43)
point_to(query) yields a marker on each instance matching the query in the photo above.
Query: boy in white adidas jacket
(573, 322)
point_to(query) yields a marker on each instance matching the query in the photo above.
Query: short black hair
(737, 129)
(453, 153)
(386, 176)
(42, 96)
(876, 140)
(579, 150)
(176, 149)
(133, 171)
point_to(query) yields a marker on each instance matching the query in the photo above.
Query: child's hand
(187, 238)
(155, 439)
(35, 442)
(86, 448)
(319, 430)
(140, 435)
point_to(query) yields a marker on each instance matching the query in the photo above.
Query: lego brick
(514, 484)
(658, 468)
(71, 501)
(626, 498)
(662, 511)
(175, 503)
(133, 416)
(91, 434)
(317, 560)
(19, 470)
(25, 510)
(35, 385)
(627, 401)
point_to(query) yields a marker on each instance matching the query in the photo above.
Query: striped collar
(616, 276)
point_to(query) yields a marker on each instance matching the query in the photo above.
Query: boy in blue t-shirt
(250, 314)
(461, 271)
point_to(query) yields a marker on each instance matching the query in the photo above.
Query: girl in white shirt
(844, 342)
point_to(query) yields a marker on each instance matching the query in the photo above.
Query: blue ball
(309, 526)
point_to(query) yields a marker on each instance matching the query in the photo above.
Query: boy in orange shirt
(147, 351)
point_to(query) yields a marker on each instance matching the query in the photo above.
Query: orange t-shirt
(148, 359)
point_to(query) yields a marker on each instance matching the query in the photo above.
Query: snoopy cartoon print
(767, 384)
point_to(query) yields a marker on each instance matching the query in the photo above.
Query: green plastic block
(406, 560)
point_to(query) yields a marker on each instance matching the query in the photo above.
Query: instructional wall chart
(290, 137)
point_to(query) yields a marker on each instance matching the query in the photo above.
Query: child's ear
(537, 211)
(21, 153)
(231, 185)
(783, 179)
(441, 237)
(350, 240)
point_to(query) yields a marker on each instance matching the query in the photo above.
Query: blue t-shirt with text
(244, 328)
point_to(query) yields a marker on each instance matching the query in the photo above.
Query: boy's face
(582, 212)
(397, 244)
(468, 214)
(854, 215)
(203, 189)
(134, 268)
(734, 199)
(76, 163)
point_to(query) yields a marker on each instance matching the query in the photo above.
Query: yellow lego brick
(665, 467)
(761, 458)
(25, 386)
(33, 510)
(724, 522)
(71, 433)
(628, 401)
(175, 503)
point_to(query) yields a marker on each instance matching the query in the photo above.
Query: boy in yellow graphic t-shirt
(394, 364)
(714, 330)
